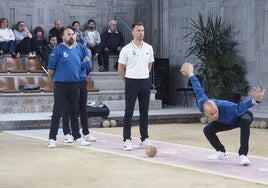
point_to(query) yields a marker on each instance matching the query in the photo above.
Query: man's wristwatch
(257, 101)
(254, 101)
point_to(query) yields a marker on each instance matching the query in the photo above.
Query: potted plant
(219, 72)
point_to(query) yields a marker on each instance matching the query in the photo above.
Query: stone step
(119, 105)
(112, 60)
(109, 84)
(108, 76)
(112, 95)
(43, 102)
(107, 80)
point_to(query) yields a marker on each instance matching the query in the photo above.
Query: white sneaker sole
(77, 144)
(245, 164)
(90, 140)
(68, 141)
(144, 147)
(127, 149)
(212, 158)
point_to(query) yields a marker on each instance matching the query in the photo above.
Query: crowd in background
(20, 40)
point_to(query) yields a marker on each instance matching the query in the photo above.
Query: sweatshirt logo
(135, 54)
(65, 54)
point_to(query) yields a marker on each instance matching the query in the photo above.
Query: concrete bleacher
(112, 60)
(110, 85)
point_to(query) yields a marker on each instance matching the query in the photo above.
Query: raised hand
(257, 93)
(187, 69)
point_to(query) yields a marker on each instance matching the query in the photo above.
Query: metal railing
(124, 28)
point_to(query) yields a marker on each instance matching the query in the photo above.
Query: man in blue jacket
(83, 54)
(64, 67)
(224, 116)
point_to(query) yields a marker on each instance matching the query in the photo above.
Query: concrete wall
(44, 12)
(249, 21)
(164, 26)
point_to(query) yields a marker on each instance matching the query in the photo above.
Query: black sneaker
(101, 69)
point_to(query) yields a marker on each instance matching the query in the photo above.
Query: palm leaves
(211, 43)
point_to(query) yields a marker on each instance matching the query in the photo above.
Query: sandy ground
(27, 162)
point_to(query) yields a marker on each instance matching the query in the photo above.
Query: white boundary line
(149, 159)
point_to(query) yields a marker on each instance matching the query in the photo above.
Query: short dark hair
(51, 36)
(19, 22)
(37, 29)
(68, 27)
(2, 20)
(137, 23)
(91, 20)
(74, 22)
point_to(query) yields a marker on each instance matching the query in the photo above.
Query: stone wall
(249, 21)
(164, 21)
(44, 12)
(26, 103)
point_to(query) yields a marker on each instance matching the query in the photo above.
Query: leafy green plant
(218, 69)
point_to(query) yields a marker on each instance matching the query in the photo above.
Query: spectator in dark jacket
(57, 31)
(112, 42)
(40, 41)
(52, 44)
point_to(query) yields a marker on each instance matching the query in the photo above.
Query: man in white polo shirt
(135, 63)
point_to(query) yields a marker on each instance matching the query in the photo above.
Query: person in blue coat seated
(224, 115)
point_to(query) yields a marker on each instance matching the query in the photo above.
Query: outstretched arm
(257, 94)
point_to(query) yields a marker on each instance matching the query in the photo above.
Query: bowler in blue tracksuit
(224, 116)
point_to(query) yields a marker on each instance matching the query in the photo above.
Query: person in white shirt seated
(92, 40)
(24, 40)
(7, 39)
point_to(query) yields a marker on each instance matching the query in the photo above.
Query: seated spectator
(40, 41)
(112, 42)
(57, 31)
(92, 40)
(79, 33)
(48, 49)
(7, 39)
(24, 40)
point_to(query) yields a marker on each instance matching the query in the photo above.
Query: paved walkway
(175, 155)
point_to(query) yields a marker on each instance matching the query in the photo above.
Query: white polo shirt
(136, 60)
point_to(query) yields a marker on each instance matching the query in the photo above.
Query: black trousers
(243, 122)
(66, 96)
(106, 55)
(26, 45)
(82, 111)
(141, 89)
(97, 49)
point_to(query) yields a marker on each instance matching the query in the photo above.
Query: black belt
(137, 78)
